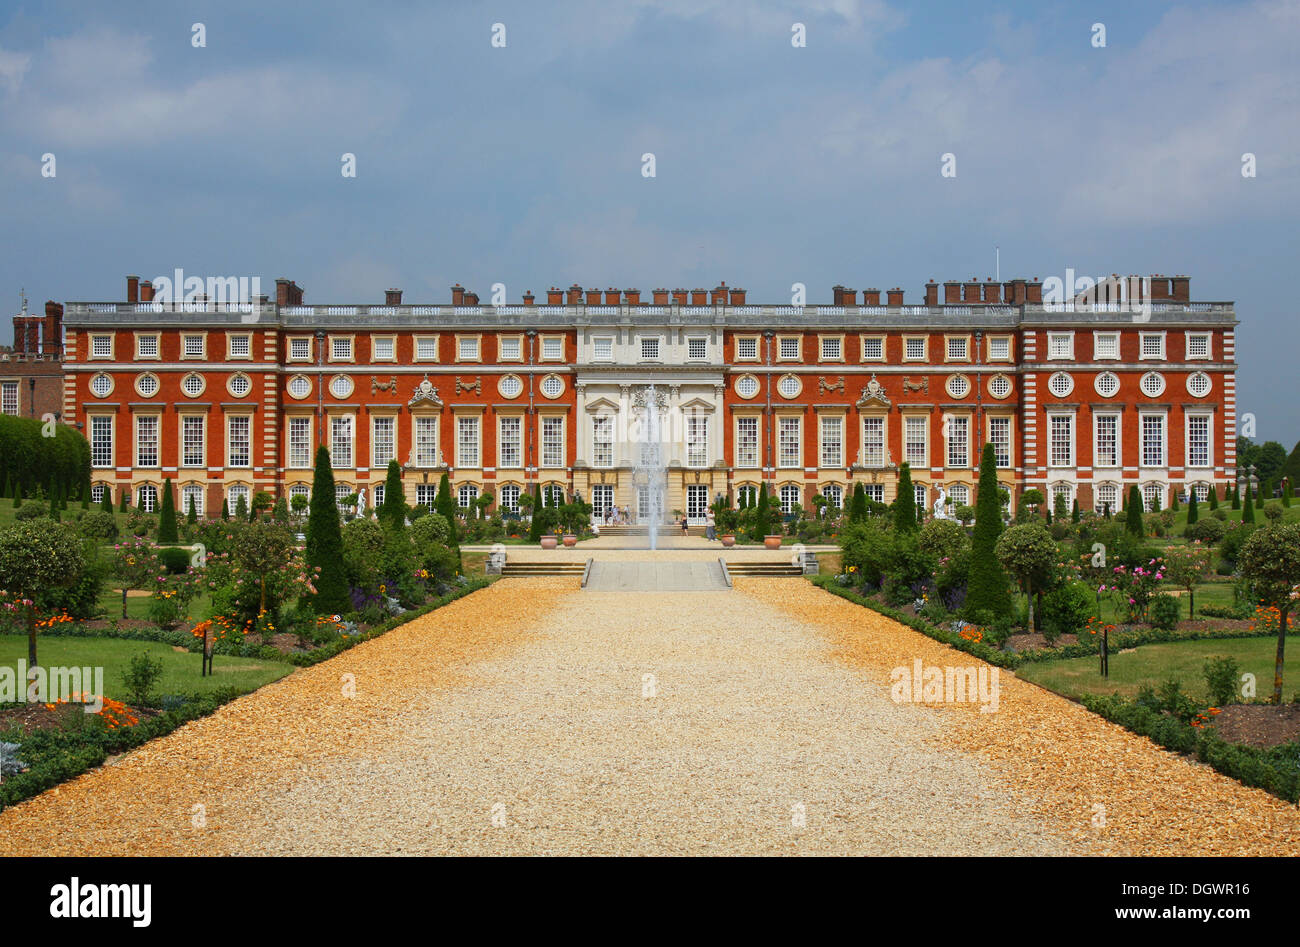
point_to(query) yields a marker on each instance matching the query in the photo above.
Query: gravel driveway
(532, 718)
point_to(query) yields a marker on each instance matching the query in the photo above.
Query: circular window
(1060, 384)
(746, 386)
(510, 386)
(193, 384)
(1198, 384)
(239, 385)
(299, 386)
(1107, 384)
(789, 386)
(1152, 384)
(999, 386)
(552, 386)
(146, 385)
(101, 385)
(340, 386)
(958, 386)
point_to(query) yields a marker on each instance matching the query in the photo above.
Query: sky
(522, 163)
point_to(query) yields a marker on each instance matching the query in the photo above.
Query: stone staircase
(781, 569)
(523, 569)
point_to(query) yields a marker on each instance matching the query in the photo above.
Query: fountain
(649, 474)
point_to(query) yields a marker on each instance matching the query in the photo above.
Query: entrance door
(697, 503)
(602, 501)
(643, 512)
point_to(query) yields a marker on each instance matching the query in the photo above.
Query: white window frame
(831, 441)
(1097, 450)
(1060, 455)
(1097, 339)
(469, 452)
(793, 457)
(1209, 440)
(1143, 355)
(553, 446)
(378, 460)
(510, 441)
(1142, 440)
(748, 451)
(1060, 346)
(1209, 346)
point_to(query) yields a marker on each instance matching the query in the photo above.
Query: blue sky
(775, 164)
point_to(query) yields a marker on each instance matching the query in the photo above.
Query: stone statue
(361, 502)
(941, 505)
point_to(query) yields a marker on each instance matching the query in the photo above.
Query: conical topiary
(905, 502)
(325, 541)
(1133, 512)
(987, 591)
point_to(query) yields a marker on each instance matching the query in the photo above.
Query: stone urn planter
(772, 542)
(728, 541)
(549, 542)
(570, 541)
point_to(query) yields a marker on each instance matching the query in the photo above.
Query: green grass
(180, 670)
(1154, 663)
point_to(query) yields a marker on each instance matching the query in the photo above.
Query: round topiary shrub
(1220, 515)
(30, 513)
(1066, 610)
(175, 559)
(1163, 612)
(1207, 531)
(1273, 513)
(96, 524)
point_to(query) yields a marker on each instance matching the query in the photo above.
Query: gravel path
(520, 720)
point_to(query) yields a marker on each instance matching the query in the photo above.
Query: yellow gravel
(532, 718)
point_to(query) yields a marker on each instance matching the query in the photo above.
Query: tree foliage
(325, 540)
(1270, 562)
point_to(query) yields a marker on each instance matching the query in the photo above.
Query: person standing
(710, 526)
(685, 526)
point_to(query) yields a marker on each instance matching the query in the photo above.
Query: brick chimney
(146, 291)
(719, 295)
(613, 296)
(871, 297)
(53, 328)
(660, 296)
(392, 297)
(895, 296)
(971, 291)
(471, 299)
(992, 290)
(1159, 286)
(633, 296)
(282, 292)
(932, 293)
(457, 294)
(575, 295)
(133, 289)
(295, 294)
(528, 298)
(737, 296)
(593, 297)
(1015, 291)
(1180, 289)
(699, 297)
(1034, 292)
(555, 296)
(679, 297)
(951, 292)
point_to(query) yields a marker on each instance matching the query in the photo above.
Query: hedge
(32, 460)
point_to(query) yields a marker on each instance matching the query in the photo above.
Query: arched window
(510, 498)
(148, 498)
(790, 498)
(466, 495)
(834, 495)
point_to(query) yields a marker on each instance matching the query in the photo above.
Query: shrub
(1066, 610)
(1207, 531)
(175, 559)
(1273, 513)
(1163, 612)
(1060, 530)
(140, 676)
(866, 547)
(1234, 539)
(363, 544)
(1219, 611)
(943, 539)
(96, 524)
(1220, 515)
(1221, 679)
(30, 513)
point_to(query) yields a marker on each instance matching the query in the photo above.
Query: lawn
(180, 669)
(1155, 663)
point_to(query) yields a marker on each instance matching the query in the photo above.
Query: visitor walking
(685, 527)
(710, 524)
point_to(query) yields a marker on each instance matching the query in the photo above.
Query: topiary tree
(280, 512)
(325, 540)
(225, 508)
(535, 525)
(1265, 493)
(1028, 553)
(1074, 511)
(393, 509)
(1248, 507)
(859, 511)
(106, 504)
(1186, 566)
(36, 556)
(905, 502)
(1236, 496)
(191, 514)
(121, 506)
(987, 584)
(167, 518)
(762, 516)
(1214, 497)
(445, 506)
(1060, 509)
(1270, 562)
(1192, 513)
(241, 509)
(1133, 512)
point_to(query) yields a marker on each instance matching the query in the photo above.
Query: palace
(1083, 398)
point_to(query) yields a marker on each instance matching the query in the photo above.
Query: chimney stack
(951, 292)
(895, 296)
(1015, 292)
(679, 297)
(699, 297)
(528, 298)
(593, 297)
(992, 291)
(871, 297)
(737, 296)
(392, 297)
(53, 328)
(660, 296)
(471, 299)
(282, 292)
(555, 296)
(133, 289)
(719, 295)
(457, 295)
(575, 295)
(146, 291)
(971, 291)
(1180, 289)
(1034, 292)
(613, 296)
(633, 296)
(932, 293)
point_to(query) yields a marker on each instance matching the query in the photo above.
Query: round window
(1152, 384)
(239, 385)
(789, 386)
(999, 386)
(340, 386)
(1198, 384)
(299, 386)
(746, 386)
(1060, 384)
(552, 386)
(101, 385)
(147, 385)
(510, 386)
(958, 386)
(1107, 384)
(193, 384)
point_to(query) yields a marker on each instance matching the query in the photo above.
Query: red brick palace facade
(1077, 398)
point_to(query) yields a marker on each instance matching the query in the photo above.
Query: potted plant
(549, 542)
(772, 542)
(728, 540)
(569, 540)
